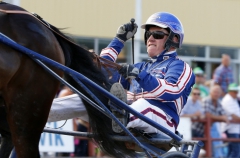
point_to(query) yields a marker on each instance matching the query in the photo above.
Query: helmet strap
(170, 43)
(145, 40)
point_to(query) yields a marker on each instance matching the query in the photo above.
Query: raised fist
(126, 31)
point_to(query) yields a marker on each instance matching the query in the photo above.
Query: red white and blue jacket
(165, 82)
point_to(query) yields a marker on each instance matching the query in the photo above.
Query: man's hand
(126, 31)
(198, 113)
(129, 71)
(225, 119)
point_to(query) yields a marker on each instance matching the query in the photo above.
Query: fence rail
(207, 139)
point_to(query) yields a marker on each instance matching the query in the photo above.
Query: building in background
(211, 27)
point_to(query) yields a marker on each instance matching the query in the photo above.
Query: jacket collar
(163, 56)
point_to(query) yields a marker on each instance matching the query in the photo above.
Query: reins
(100, 60)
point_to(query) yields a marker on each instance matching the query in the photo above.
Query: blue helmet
(166, 20)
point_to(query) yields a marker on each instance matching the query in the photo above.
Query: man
(193, 108)
(231, 106)
(223, 74)
(199, 77)
(212, 108)
(160, 87)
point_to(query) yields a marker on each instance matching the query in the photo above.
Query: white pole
(16, 2)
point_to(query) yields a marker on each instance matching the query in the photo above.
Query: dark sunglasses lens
(196, 94)
(148, 34)
(156, 35)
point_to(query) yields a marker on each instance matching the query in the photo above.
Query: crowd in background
(218, 99)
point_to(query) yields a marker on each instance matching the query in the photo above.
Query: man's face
(216, 93)
(195, 94)
(233, 93)
(198, 78)
(226, 60)
(156, 46)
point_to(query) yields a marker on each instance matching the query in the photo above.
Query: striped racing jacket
(165, 81)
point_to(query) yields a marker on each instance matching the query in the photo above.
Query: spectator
(193, 109)
(231, 106)
(65, 91)
(209, 83)
(81, 145)
(223, 74)
(199, 80)
(212, 108)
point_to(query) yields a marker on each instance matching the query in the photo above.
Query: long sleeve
(178, 77)
(112, 51)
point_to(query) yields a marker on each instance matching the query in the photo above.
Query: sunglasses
(196, 94)
(155, 34)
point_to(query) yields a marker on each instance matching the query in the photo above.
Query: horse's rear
(26, 90)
